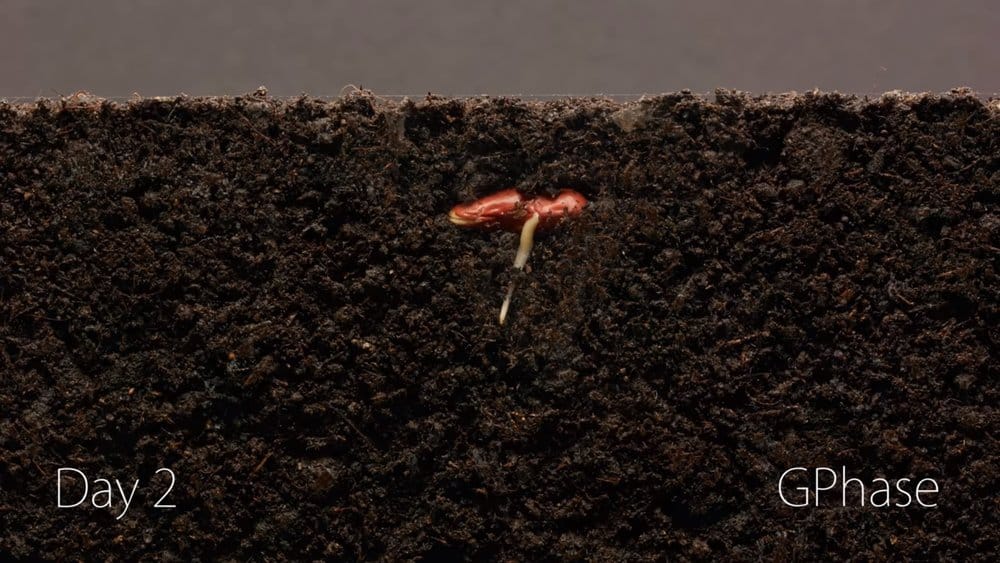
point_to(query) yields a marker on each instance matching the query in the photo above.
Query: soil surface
(266, 297)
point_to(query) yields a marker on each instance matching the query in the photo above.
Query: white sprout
(523, 251)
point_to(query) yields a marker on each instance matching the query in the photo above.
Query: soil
(266, 297)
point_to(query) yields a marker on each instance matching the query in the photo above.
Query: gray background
(114, 48)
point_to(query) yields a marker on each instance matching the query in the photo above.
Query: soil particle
(266, 297)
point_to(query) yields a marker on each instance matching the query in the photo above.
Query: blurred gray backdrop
(114, 48)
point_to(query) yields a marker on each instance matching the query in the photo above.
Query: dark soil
(267, 298)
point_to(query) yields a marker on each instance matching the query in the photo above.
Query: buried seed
(511, 211)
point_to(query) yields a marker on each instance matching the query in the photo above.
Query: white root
(523, 251)
(527, 240)
(506, 302)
